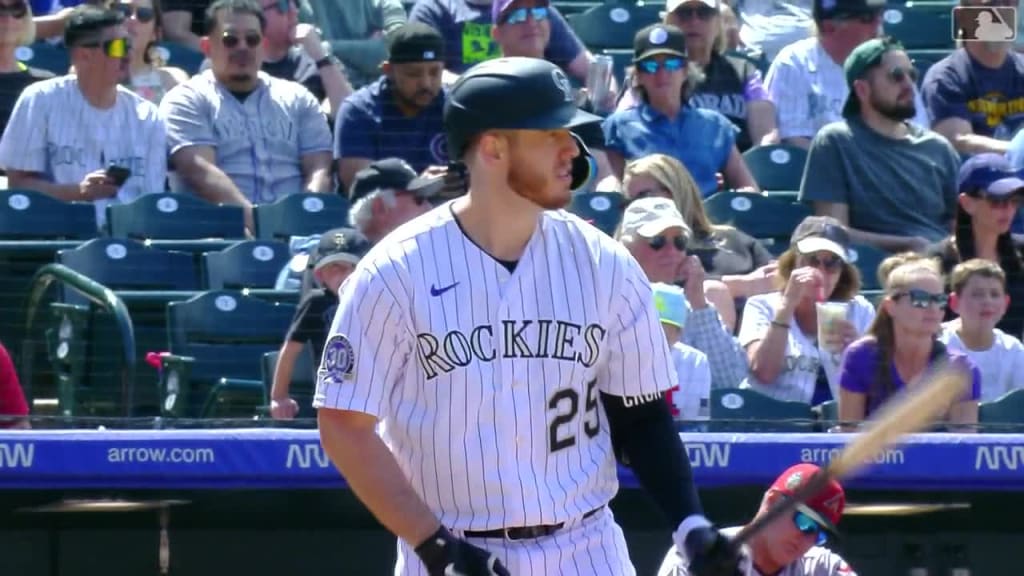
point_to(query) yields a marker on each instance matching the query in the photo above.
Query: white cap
(648, 217)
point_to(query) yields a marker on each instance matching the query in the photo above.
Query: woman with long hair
(737, 259)
(150, 77)
(902, 345)
(16, 30)
(990, 195)
(796, 335)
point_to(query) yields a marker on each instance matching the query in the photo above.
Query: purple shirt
(859, 369)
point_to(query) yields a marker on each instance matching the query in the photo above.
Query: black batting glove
(712, 554)
(446, 555)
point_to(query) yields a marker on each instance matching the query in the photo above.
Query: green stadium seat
(174, 217)
(743, 410)
(920, 24)
(1007, 410)
(217, 342)
(51, 57)
(776, 167)
(249, 264)
(866, 259)
(768, 219)
(181, 56)
(613, 24)
(303, 384)
(31, 215)
(602, 209)
(300, 214)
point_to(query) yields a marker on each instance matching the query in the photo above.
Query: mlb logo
(991, 23)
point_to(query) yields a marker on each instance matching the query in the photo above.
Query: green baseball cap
(863, 58)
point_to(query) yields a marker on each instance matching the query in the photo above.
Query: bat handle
(787, 504)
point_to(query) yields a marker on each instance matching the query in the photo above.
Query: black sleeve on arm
(645, 438)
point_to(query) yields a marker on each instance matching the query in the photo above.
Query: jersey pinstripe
(486, 382)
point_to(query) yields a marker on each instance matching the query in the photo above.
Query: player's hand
(711, 553)
(97, 185)
(283, 408)
(446, 555)
(805, 282)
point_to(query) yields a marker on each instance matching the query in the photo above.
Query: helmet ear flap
(584, 166)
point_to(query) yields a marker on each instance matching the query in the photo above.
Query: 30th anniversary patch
(339, 358)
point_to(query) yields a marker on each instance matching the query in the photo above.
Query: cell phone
(119, 174)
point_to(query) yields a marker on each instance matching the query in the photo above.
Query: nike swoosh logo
(435, 291)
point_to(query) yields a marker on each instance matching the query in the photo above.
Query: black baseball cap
(339, 245)
(387, 174)
(817, 233)
(415, 42)
(864, 57)
(659, 39)
(837, 9)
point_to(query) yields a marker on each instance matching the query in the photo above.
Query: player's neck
(762, 560)
(987, 56)
(500, 224)
(96, 94)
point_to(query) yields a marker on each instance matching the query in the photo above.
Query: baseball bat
(911, 411)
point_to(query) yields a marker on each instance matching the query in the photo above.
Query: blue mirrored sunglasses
(669, 64)
(518, 16)
(806, 525)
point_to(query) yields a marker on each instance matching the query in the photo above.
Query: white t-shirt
(691, 398)
(799, 374)
(55, 132)
(1001, 366)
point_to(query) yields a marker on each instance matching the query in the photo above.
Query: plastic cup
(829, 316)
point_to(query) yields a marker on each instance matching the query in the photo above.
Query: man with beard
(399, 115)
(893, 183)
(508, 351)
(238, 135)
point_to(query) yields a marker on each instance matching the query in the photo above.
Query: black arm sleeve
(645, 439)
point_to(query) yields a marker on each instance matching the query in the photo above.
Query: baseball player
(487, 355)
(794, 544)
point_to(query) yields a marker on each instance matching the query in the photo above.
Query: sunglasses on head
(897, 74)
(923, 299)
(704, 12)
(114, 48)
(282, 6)
(660, 241)
(830, 262)
(806, 525)
(669, 64)
(230, 40)
(519, 15)
(141, 13)
(17, 10)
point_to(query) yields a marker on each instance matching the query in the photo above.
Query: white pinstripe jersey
(486, 381)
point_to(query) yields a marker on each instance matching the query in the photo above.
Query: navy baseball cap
(990, 175)
(386, 174)
(339, 245)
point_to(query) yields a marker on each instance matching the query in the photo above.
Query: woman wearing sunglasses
(990, 195)
(16, 30)
(796, 336)
(902, 344)
(150, 78)
(737, 259)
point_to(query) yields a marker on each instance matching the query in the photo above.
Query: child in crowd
(691, 398)
(980, 299)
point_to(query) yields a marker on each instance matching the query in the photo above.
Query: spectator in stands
(703, 140)
(399, 115)
(806, 80)
(66, 132)
(730, 29)
(768, 26)
(238, 135)
(355, 31)
(333, 259)
(690, 399)
(184, 22)
(979, 297)
(383, 197)
(150, 78)
(656, 235)
(727, 254)
(794, 544)
(13, 408)
(991, 192)
(891, 181)
(780, 331)
(900, 346)
(16, 29)
(975, 96)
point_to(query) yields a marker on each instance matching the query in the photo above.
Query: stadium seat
(1007, 410)
(776, 167)
(181, 56)
(249, 264)
(828, 414)
(923, 59)
(743, 410)
(920, 24)
(300, 214)
(47, 56)
(866, 259)
(613, 24)
(602, 209)
(174, 217)
(123, 264)
(217, 342)
(303, 383)
(768, 219)
(31, 215)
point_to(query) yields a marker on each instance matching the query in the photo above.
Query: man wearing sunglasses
(892, 182)
(65, 133)
(793, 545)
(238, 135)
